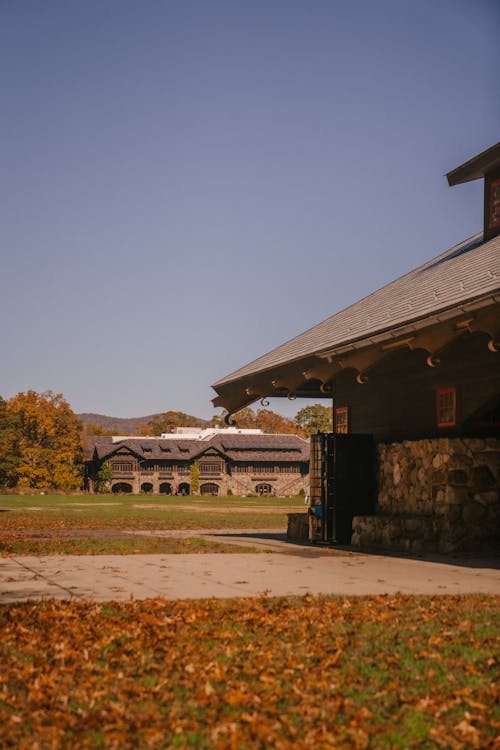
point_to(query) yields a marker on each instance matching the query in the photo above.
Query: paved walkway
(281, 568)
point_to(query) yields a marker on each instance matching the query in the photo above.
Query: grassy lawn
(21, 512)
(16, 544)
(325, 672)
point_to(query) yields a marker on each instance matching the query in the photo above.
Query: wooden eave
(477, 167)
(313, 376)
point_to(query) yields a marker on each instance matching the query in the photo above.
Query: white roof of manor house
(195, 433)
(192, 433)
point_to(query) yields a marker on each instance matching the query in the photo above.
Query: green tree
(9, 459)
(103, 477)
(315, 418)
(195, 477)
(47, 442)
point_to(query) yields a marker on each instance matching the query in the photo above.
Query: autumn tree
(315, 418)
(168, 421)
(245, 418)
(217, 420)
(269, 421)
(92, 429)
(47, 441)
(264, 419)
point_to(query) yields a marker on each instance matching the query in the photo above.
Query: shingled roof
(171, 449)
(283, 448)
(463, 278)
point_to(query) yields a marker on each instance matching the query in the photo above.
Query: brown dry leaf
(209, 689)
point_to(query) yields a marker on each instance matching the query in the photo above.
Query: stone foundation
(238, 484)
(440, 495)
(298, 527)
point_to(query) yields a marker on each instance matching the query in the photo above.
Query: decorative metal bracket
(433, 361)
(229, 419)
(264, 402)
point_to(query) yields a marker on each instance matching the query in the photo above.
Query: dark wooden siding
(399, 400)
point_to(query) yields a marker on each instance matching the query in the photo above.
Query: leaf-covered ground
(19, 544)
(322, 673)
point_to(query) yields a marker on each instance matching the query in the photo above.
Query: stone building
(227, 462)
(415, 365)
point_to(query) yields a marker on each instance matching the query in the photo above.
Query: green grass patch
(18, 545)
(20, 501)
(143, 512)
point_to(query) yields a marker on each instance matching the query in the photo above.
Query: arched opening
(184, 489)
(123, 487)
(209, 488)
(165, 488)
(264, 489)
(147, 487)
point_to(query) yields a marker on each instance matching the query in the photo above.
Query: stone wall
(298, 527)
(440, 495)
(238, 484)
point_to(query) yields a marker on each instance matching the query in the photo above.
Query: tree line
(42, 440)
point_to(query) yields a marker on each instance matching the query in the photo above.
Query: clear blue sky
(185, 185)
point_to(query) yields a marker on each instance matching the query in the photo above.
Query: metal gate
(342, 484)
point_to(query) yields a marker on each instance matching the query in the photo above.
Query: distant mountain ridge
(124, 426)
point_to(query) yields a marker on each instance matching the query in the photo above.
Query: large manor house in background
(225, 461)
(413, 373)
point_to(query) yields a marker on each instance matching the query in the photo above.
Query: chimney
(485, 165)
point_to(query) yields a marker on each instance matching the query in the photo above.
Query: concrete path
(289, 569)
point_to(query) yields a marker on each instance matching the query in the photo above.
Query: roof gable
(112, 451)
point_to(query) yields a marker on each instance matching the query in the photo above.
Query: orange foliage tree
(168, 421)
(45, 441)
(265, 420)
